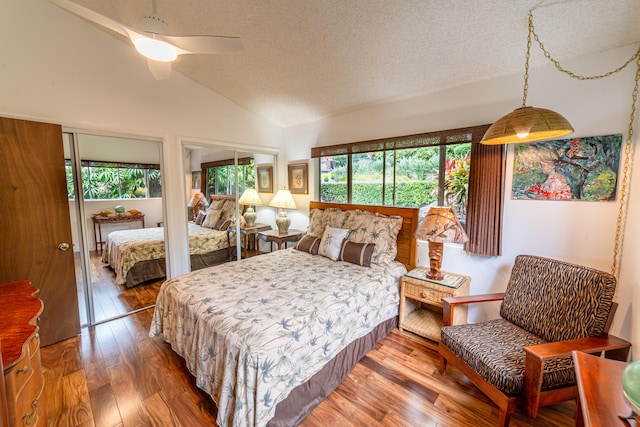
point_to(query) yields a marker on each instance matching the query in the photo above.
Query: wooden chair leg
(443, 365)
(503, 419)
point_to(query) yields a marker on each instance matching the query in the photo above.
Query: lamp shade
(197, 199)
(250, 197)
(283, 199)
(527, 124)
(441, 225)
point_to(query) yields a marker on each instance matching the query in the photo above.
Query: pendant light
(527, 124)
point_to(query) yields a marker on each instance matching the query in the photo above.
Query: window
(411, 171)
(420, 170)
(111, 180)
(220, 176)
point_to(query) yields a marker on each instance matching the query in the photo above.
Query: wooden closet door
(34, 222)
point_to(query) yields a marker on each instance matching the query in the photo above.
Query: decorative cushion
(556, 300)
(222, 224)
(201, 216)
(500, 359)
(331, 242)
(357, 253)
(309, 244)
(211, 218)
(367, 227)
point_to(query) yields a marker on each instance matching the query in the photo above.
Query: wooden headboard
(407, 243)
(213, 197)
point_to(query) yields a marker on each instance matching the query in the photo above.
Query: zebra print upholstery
(546, 300)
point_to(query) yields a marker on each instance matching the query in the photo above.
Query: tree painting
(567, 169)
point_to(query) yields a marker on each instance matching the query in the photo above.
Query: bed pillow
(211, 218)
(357, 253)
(331, 242)
(309, 244)
(367, 227)
(316, 224)
(201, 216)
(216, 204)
(228, 209)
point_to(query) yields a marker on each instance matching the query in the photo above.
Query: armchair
(522, 360)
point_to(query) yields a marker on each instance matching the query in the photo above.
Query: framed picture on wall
(195, 180)
(298, 178)
(264, 177)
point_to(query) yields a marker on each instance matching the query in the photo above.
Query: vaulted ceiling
(304, 60)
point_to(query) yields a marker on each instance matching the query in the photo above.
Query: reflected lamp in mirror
(250, 198)
(439, 226)
(283, 200)
(197, 202)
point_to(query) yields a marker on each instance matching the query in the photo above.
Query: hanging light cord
(627, 149)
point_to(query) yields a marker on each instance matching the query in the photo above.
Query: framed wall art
(567, 169)
(264, 177)
(298, 178)
(195, 180)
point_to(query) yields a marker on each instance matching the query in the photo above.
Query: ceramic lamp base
(283, 221)
(250, 216)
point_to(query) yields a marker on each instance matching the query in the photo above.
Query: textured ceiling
(304, 60)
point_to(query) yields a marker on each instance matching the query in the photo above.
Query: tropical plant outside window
(111, 180)
(413, 177)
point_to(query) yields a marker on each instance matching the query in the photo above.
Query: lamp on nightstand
(197, 202)
(439, 226)
(283, 200)
(250, 197)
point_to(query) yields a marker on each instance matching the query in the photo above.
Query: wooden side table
(421, 302)
(600, 394)
(273, 236)
(246, 232)
(111, 219)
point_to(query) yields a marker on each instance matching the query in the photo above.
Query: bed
(269, 337)
(137, 256)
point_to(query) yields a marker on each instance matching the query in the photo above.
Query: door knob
(63, 246)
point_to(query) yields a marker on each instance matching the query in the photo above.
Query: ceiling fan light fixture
(527, 124)
(156, 49)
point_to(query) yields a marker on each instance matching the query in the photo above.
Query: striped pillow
(357, 253)
(309, 244)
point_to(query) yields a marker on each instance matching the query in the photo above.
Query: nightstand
(421, 302)
(272, 236)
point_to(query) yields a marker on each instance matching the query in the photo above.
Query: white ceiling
(308, 59)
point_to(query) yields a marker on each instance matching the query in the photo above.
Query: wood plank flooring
(111, 300)
(113, 374)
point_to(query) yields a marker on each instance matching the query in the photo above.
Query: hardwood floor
(113, 374)
(111, 300)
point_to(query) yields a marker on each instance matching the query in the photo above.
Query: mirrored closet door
(115, 201)
(221, 177)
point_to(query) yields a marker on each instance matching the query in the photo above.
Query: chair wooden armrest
(537, 355)
(450, 303)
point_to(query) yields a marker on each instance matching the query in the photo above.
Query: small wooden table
(600, 395)
(274, 236)
(246, 232)
(112, 219)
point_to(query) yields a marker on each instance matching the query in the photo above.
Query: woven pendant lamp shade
(527, 124)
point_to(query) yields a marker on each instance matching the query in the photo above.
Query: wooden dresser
(20, 342)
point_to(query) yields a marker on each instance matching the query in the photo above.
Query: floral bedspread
(251, 331)
(125, 248)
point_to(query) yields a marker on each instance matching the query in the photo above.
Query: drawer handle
(423, 294)
(24, 370)
(30, 418)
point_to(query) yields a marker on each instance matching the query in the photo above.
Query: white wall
(50, 72)
(579, 232)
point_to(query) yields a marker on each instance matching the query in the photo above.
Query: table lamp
(197, 202)
(283, 200)
(439, 226)
(250, 197)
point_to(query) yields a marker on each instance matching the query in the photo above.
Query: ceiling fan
(153, 41)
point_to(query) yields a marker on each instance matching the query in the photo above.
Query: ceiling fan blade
(92, 16)
(160, 70)
(204, 44)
